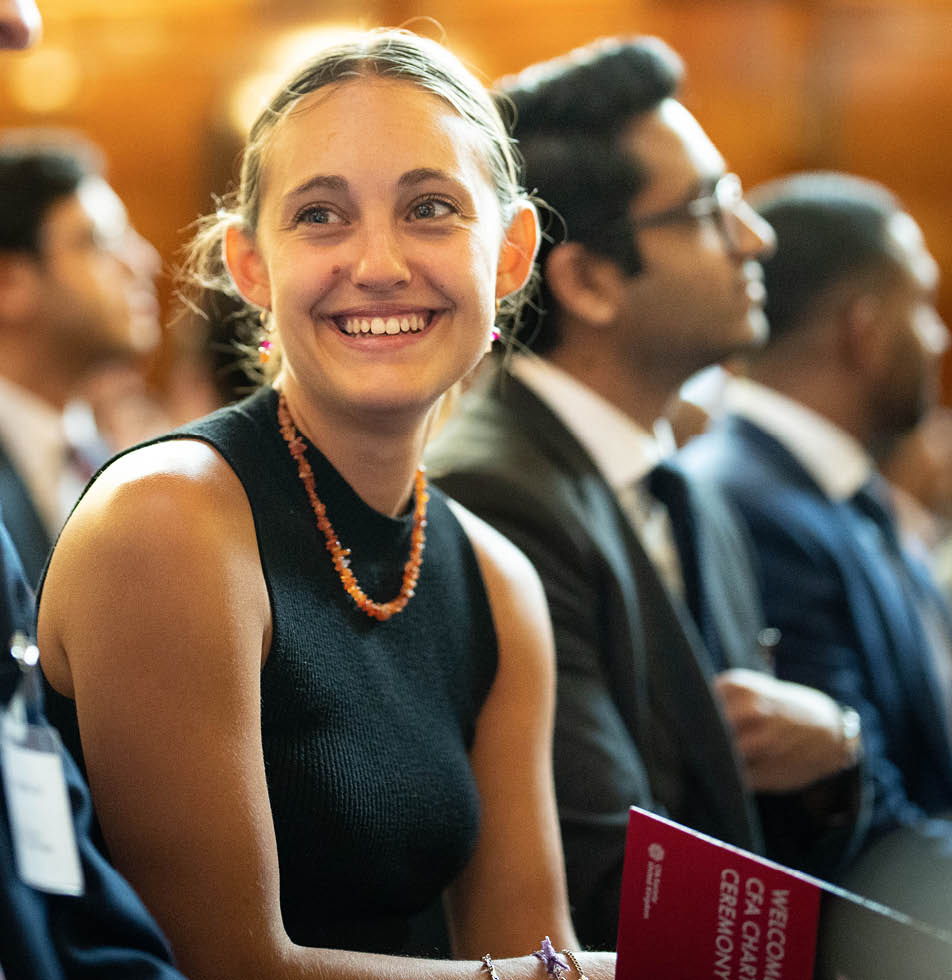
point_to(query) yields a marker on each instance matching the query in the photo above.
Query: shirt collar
(28, 424)
(31, 431)
(621, 449)
(836, 460)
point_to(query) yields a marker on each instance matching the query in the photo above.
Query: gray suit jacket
(636, 723)
(636, 720)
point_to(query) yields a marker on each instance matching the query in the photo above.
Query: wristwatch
(851, 734)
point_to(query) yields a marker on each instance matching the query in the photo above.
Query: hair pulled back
(394, 54)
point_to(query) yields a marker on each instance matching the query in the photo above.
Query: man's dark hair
(830, 227)
(32, 180)
(568, 117)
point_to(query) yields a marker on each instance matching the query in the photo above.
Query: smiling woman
(344, 257)
(315, 696)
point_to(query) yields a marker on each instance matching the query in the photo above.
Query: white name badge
(41, 821)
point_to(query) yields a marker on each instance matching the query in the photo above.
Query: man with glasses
(649, 273)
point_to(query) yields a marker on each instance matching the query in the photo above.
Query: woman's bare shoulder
(164, 528)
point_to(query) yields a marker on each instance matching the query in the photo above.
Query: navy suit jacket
(830, 588)
(104, 933)
(25, 527)
(16, 597)
(636, 721)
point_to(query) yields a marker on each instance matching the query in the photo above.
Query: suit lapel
(733, 616)
(911, 663)
(670, 652)
(860, 557)
(684, 710)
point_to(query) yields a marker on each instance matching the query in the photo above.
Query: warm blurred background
(164, 86)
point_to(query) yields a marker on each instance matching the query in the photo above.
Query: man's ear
(863, 338)
(247, 267)
(586, 285)
(19, 282)
(518, 252)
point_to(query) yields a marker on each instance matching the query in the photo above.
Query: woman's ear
(247, 267)
(586, 286)
(20, 286)
(518, 252)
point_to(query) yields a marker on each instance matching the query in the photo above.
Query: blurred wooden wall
(858, 85)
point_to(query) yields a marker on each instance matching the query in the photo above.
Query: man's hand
(788, 735)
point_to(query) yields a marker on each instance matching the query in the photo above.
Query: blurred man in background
(83, 919)
(852, 365)
(919, 470)
(76, 296)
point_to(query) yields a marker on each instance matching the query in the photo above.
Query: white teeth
(391, 325)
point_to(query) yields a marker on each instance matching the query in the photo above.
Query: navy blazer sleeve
(822, 646)
(817, 589)
(106, 933)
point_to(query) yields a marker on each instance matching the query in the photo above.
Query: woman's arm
(513, 892)
(155, 617)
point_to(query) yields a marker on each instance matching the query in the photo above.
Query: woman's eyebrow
(319, 182)
(421, 174)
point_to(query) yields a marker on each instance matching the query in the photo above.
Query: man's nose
(754, 236)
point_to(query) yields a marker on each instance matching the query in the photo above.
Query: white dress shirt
(834, 458)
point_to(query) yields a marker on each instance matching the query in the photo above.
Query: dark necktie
(669, 486)
(873, 500)
(927, 607)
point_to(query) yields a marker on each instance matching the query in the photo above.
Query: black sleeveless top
(366, 725)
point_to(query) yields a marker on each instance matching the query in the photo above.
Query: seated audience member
(851, 364)
(48, 932)
(76, 293)
(315, 696)
(104, 931)
(664, 695)
(919, 470)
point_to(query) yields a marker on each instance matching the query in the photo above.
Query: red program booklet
(693, 908)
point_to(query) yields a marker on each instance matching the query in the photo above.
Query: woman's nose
(380, 262)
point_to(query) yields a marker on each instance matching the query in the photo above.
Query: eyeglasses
(724, 204)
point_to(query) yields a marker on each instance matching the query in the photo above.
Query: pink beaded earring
(265, 346)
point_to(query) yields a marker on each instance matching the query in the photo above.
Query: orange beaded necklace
(339, 554)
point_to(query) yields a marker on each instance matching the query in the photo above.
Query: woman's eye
(431, 207)
(315, 214)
